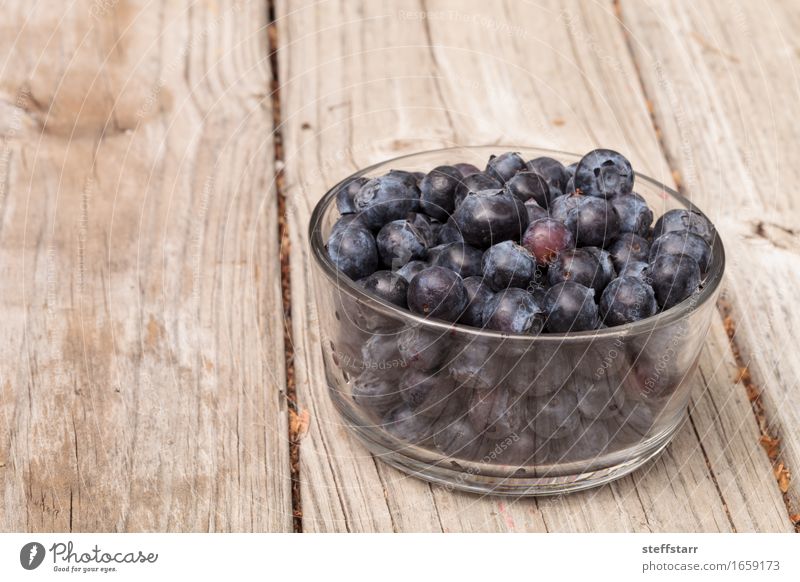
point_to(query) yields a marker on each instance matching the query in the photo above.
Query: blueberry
(478, 295)
(635, 269)
(570, 187)
(421, 348)
(387, 285)
(497, 412)
(674, 278)
(593, 221)
(513, 310)
(475, 365)
(354, 252)
(529, 186)
(448, 233)
(570, 306)
(683, 219)
(438, 191)
(634, 214)
(570, 170)
(553, 172)
(604, 173)
(426, 393)
(600, 399)
(437, 292)
(561, 207)
(457, 438)
(428, 227)
(372, 391)
(399, 242)
(459, 257)
(546, 238)
(625, 300)
(467, 169)
(348, 221)
(345, 195)
(404, 424)
(390, 197)
(535, 212)
(410, 269)
(555, 416)
(488, 218)
(607, 270)
(505, 166)
(508, 264)
(683, 242)
(475, 183)
(578, 265)
(628, 248)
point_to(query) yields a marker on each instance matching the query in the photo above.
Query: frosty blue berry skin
(627, 248)
(478, 295)
(529, 186)
(683, 242)
(490, 217)
(513, 310)
(387, 285)
(634, 214)
(399, 242)
(387, 198)
(438, 191)
(627, 299)
(673, 278)
(576, 265)
(459, 257)
(570, 306)
(354, 252)
(345, 197)
(554, 173)
(437, 292)
(475, 183)
(508, 264)
(505, 166)
(604, 173)
(685, 219)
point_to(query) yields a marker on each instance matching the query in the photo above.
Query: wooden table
(160, 367)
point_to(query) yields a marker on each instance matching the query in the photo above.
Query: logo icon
(31, 555)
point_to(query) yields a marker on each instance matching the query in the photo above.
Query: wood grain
(141, 361)
(723, 77)
(362, 82)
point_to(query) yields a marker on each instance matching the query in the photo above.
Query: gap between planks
(768, 441)
(294, 417)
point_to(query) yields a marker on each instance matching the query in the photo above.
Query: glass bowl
(499, 413)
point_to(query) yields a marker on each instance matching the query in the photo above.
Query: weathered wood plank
(723, 81)
(362, 82)
(141, 358)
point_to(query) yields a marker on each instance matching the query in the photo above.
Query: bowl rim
(709, 285)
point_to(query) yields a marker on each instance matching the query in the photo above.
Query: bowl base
(518, 483)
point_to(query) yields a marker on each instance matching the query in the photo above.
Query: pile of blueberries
(522, 247)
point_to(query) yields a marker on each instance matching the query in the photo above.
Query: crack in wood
(294, 424)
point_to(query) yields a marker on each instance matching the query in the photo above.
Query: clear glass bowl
(559, 412)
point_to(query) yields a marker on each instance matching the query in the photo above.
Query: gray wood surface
(143, 371)
(141, 360)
